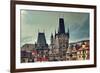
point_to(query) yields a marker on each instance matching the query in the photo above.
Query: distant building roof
(28, 47)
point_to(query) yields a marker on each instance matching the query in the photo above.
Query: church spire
(51, 35)
(51, 38)
(61, 26)
(68, 33)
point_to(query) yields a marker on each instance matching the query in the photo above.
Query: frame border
(13, 35)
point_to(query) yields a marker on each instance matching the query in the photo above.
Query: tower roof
(41, 38)
(61, 26)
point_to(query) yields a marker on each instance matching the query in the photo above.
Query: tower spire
(55, 33)
(51, 35)
(68, 32)
(51, 38)
(61, 26)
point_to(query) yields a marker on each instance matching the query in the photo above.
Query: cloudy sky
(33, 22)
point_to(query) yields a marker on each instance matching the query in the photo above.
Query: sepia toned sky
(33, 22)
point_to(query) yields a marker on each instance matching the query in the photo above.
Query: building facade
(59, 43)
(58, 50)
(41, 47)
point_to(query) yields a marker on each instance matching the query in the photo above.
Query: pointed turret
(51, 35)
(68, 33)
(51, 38)
(55, 33)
